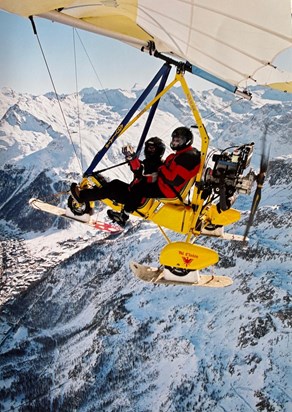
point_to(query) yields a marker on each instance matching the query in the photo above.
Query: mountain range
(78, 331)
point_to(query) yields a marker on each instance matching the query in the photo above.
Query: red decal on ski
(107, 227)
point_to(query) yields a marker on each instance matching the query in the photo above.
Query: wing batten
(249, 23)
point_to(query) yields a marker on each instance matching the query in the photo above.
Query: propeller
(260, 178)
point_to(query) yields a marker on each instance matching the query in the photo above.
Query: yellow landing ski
(165, 277)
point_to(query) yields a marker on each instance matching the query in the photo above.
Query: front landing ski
(165, 277)
(86, 219)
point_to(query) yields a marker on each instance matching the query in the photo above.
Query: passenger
(144, 171)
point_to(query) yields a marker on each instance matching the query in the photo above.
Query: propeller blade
(265, 156)
(255, 204)
(260, 178)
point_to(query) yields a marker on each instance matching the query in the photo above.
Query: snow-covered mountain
(78, 332)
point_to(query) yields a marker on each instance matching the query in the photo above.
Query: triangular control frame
(162, 75)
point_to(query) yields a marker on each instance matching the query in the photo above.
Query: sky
(116, 65)
(113, 64)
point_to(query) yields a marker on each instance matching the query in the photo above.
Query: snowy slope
(76, 321)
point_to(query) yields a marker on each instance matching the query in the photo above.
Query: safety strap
(178, 195)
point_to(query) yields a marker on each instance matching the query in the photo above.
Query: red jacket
(177, 171)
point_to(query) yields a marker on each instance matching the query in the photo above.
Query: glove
(129, 152)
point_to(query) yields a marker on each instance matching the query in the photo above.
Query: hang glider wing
(233, 40)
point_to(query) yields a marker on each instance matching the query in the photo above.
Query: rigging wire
(54, 87)
(77, 98)
(93, 68)
(223, 108)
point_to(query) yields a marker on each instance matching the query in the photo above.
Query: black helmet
(154, 147)
(184, 136)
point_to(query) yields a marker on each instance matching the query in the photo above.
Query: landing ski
(165, 277)
(85, 219)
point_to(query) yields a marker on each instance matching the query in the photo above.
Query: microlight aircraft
(231, 43)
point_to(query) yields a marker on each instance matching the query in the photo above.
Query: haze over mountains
(78, 332)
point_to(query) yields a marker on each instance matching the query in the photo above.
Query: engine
(226, 178)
